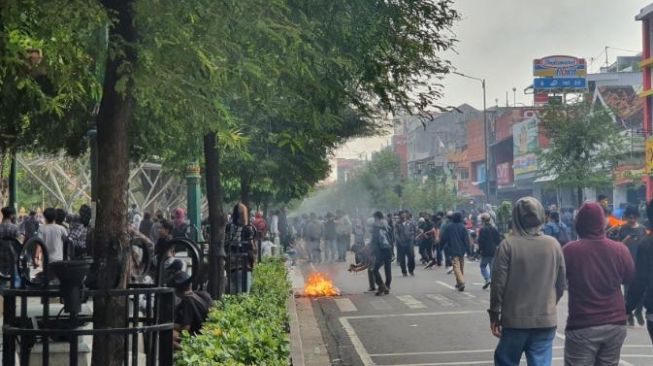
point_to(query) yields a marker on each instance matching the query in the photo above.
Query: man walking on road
(642, 286)
(455, 241)
(343, 229)
(528, 280)
(406, 232)
(488, 241)
(382, 249)
(631, 233)
(596, 269)
(313, 233)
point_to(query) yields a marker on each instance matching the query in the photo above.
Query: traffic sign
(560, 83)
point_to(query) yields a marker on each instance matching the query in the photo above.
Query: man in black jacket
(406, 232)
(455, 241)
(488, 241)
(642, 287)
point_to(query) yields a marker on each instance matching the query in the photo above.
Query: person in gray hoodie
(528, 280)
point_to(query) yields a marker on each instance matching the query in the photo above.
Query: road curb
(307, 347)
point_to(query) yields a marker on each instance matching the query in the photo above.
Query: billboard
(565, 73)
(525, 145)
(560, 67)
(504, 175)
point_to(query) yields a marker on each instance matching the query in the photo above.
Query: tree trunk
(110, 236)
(579, 193)
(245, 189)
(216, 216)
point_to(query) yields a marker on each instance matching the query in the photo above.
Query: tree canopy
(585, 145)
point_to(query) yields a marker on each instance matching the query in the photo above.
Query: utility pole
(486, 191)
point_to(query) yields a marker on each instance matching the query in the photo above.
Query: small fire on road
(319, 285)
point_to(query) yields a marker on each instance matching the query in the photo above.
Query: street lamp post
(485, 135)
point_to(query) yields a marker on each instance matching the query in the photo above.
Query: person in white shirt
(53, 236)
(266, 247)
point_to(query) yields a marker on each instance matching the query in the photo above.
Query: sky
(498, 40)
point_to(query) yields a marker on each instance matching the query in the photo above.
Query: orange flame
(319, 285)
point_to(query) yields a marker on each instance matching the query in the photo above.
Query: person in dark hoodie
(642, 287)
(455, 241)
(596, 269)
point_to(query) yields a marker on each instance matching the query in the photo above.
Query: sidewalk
(307, 347)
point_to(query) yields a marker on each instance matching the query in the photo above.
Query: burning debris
(318, 285)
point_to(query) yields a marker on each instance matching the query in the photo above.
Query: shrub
(245, 329)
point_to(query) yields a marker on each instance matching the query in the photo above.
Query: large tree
(179, 76)
(585, 145)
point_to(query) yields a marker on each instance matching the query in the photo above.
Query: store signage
(648, 164)
(504, 175)
(559, 83)
(560, 67)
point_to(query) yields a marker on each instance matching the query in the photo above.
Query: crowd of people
(604, 262)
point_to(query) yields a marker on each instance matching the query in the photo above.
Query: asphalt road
(425, 321)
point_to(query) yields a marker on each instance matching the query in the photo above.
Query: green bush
(245, 329)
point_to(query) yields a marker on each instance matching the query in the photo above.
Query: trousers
(406, 258)
(382, 260)
(459, 270)
(537, 343)
(594, 346)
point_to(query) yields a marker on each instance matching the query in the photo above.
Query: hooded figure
(179, 224)
(596, 269)
(528, 280)
(528, 217)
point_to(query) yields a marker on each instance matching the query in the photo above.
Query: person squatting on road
(455, 241)
(489, 239)
(528, 280)
(382, 252)
(596, 269)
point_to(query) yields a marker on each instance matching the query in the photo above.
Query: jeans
(459, 270)
(486, 264)
(236, 282)
(440, 254)
(649, 327)
(406, 253)
(344, 242)
(314, 251)
(330, 250)
(595, 346)
(383, 260)
(536, 343)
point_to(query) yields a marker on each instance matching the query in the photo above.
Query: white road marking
(411, 302)
(380, 305)
(625, 363)
(356, 342)
(435, 313)
(442, 300)
(445, 285)
(345, 305)
(358, 345)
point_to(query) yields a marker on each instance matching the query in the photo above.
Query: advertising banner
(524, 137)
(480, 173)
(525, 144)
(560, 67)
(648, 164)
(504, 175)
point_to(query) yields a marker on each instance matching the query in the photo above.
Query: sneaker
(405, 274)
(487, 284)
(449, 270)
(640, 318)
(412, 274)
(631, 320)
(461, 288)
(371, 289)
